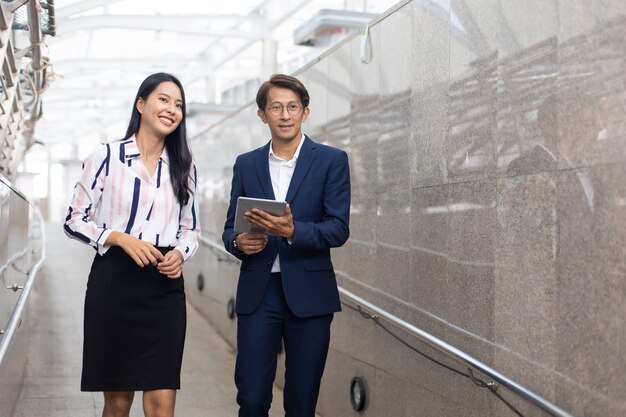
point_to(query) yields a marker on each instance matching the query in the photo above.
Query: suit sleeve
(333, 230)
(229, 234)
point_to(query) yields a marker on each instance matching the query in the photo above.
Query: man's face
(286, 123)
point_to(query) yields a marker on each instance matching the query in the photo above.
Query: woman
(134, 203)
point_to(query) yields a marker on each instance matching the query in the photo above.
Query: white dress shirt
(281, 172)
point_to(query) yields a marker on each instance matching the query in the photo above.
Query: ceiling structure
(220, 50)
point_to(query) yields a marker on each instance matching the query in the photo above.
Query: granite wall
(487, 149)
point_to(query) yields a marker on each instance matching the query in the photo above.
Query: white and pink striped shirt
(115, 192)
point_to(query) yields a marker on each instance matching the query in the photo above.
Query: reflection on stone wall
(487, 148)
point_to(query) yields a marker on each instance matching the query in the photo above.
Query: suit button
(269, 262)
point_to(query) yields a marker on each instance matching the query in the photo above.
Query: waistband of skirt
(117, 250)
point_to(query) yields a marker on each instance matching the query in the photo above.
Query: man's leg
(306, 348)
(258, 339)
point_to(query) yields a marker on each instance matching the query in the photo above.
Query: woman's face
(162, 111)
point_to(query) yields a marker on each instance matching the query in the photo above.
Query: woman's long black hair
(175, 143)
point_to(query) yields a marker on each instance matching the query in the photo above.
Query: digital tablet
(273, 207)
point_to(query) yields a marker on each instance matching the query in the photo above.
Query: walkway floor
(52, 381)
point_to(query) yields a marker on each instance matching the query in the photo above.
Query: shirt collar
(164, 156)
(131, 150)
(271, 153)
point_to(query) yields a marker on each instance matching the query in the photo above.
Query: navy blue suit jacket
(319, 198)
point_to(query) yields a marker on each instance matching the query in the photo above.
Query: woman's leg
(117, 404)
(159, 403)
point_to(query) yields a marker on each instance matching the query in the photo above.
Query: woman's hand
(172, 265)
(143, 253)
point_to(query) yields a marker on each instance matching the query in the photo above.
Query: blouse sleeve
(189, 224)
(79, 222)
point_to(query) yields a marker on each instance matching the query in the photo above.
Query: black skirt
(135, 320)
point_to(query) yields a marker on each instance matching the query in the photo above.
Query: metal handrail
(16, 317)
(442, 347)
(11, 261)
(459, 355)
(213, 245)
(219, 248)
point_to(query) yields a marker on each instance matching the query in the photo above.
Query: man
(287, 289)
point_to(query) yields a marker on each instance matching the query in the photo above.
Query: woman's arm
(86, 198)
(189, 224)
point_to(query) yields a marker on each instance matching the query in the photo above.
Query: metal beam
(295, 6)
(82, 6)
(123, 63)
(195, 25)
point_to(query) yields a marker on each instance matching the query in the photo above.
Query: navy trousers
(258, 339)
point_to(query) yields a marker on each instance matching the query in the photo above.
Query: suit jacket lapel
(305, 159)
(263, 171)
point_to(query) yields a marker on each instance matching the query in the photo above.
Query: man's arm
(229, 234)
(242, 244)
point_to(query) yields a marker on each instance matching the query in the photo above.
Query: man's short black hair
(282, 81)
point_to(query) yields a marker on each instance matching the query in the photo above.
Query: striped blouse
(116, 192)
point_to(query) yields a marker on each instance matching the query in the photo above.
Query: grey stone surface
(12, 370)
(363, 217)
(362, 271)
(337, 131)
(472, 117)
(470, 269)
(364, 118)
(580, 18)
(591, 284)
(219, 272)
(348, 333)
(317, 84)
(429, 95)
(526, 25)
(525, 275)
(527, 132)
(392, 269)
(527, 92)
(334, 397)
(392, 242)
(394, 113)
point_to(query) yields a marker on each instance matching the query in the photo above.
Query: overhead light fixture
(327, 25)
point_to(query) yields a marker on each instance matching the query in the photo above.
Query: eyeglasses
(276, 109)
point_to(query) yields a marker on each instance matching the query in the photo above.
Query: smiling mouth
(166, 121)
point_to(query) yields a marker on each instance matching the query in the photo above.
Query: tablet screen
(273, 207)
